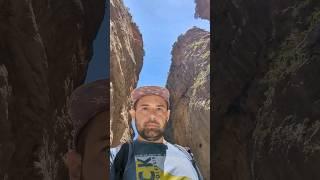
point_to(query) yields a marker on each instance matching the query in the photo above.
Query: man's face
(94, 160)
(151, 114)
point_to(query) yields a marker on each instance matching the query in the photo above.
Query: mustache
(151, 122)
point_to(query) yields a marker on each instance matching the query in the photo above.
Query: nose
(152, 116)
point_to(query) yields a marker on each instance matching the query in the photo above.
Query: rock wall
(202, 9)
(45, 47)
(266, 97)
(126, 55)
(189, 86)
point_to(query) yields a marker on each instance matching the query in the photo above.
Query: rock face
(202, 9)
(266, 117)
(45, 47)
(126, 55)
(189, 86)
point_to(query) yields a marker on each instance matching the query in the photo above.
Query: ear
(168, 114)
(73, 161)
(132, 113)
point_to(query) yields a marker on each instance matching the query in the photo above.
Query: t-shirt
(156, 162)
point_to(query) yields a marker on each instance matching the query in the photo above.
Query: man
(150, 156)
(89, 105)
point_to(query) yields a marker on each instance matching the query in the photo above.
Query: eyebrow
(160, 105)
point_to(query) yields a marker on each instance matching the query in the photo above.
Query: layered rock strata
(45, 47)
(202, 9)
(126, 55)
(266, 97)
(189, 86)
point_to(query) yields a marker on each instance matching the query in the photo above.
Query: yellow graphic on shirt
(146, 170)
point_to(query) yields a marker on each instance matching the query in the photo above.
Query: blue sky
(99, 64)
(161, 22)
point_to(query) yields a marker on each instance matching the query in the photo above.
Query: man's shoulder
(180, 147)
(185, 150)
(114, 151)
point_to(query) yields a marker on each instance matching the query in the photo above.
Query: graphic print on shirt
(150, 167)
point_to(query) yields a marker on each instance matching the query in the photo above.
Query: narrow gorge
(266, 115)
(188, 82)
(189, 86)
(45, 48)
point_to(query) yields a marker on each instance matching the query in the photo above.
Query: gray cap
(137, 93)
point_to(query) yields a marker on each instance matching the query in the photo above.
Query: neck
(141, 139)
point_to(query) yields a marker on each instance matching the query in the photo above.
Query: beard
(151, 133)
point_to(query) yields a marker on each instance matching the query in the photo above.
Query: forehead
(151, 100)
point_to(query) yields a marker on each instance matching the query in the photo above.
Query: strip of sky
(161, 22)
(98, 67)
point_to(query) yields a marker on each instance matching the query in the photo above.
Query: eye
(160, 110)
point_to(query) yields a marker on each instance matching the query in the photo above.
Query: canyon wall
(45, 47)
(126, 57)
(266, 94)
(189, 86)
(202, 9)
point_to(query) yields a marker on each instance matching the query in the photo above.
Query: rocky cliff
(189, 86)
(266, 94)
(202, 9)
(45, 47)
(126, 55)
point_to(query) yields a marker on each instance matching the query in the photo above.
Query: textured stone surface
(189, 86)
(126, 55)
(202, 9)
(45, 47)
(266, 96)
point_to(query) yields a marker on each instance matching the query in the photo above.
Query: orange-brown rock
(45, 47)
(189, 86)
(126, 55)
(266, 116)
(202, 9)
